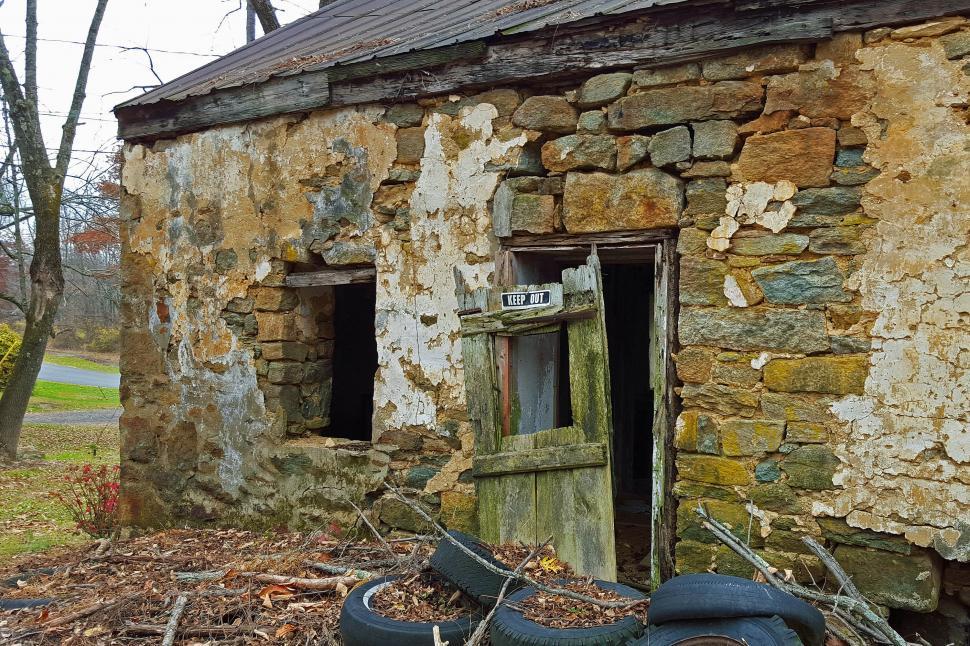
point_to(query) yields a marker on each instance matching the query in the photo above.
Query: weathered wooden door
(555, 481)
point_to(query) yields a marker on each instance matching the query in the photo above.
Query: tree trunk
(47, 287)
(266, 14)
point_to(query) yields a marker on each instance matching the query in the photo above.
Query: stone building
(567, 268)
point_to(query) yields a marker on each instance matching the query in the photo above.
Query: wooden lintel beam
(642, 39)
(326, 277)
(551, 458)
(512, 322)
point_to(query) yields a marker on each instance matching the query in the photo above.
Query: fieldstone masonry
(820, 194)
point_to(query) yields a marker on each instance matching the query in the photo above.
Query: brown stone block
(803, 157)
(277, 326)
(642, 199)
(292, 350)
(546, 114)
(276, 299)
(753, 61)
(821, 92)
(675, 105)
(836, 375)
(694, 364)
(410, 145)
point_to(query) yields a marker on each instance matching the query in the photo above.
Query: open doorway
(538, 373)
(354, 361)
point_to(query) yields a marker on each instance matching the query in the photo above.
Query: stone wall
(820, 192)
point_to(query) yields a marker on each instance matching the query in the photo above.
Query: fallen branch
(856, 612)
(338, 569)
(348, 578)
(373, 530)
(480, 629)
(173, 621)
(86, 611)
(508, 573)
(301, 583)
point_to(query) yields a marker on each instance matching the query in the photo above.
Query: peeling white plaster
(450, 229)
(905, 456)
(732, 291)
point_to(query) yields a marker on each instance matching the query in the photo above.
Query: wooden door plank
(661, 507)
(512, 322)
(507, 504)
(481, 388)
(575, 507)
(541, 459)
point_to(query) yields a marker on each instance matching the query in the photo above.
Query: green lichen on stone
(811, 467)
(775, 496)
(767, 471)
(839, 531)
(910, 582)
(754, 329)
(733, 515)
(838, 375)
(751, 437)
(712, 469)
(802, 281)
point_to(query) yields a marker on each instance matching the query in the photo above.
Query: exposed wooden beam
(550, 458)
(650, 38)
(334, 276)
(280, 95)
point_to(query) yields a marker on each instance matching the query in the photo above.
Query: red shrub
(91, 496)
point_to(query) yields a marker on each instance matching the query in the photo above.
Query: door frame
(663, 347)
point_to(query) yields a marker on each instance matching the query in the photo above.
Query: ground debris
(558, 612)
(127, 594)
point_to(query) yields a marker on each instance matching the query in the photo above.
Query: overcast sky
(181, 35)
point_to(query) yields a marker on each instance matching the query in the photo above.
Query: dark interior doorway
(628, 295)
(628, 300)
(354, 361)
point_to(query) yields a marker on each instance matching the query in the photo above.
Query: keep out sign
(521, 300)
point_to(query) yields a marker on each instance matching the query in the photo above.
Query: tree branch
(266, 14)
(30, 54)
(69, 129)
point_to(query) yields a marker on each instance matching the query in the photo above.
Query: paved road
(68, 375)
(98, 416)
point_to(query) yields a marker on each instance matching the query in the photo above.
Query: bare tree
(266, 14)
(45, 184)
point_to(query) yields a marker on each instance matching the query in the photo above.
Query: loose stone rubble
(820, 193)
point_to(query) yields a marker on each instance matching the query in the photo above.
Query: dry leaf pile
(242, 587)
(560, 612)
(545, 568)
(424, 596)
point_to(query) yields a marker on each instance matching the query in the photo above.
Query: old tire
(748, 631)
(716, 596)
(361, 626)
(465, 573)
(510, 628)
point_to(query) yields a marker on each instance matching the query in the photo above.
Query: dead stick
(328, 583)
(866, 615)
(86, 611)
(479, 633)
(173, 621)
(337, 569)
(373, 530)
(503, 572)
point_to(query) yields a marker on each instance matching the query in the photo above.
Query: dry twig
(853, 611)
(374, 531)
(479, 633)
(173, 622)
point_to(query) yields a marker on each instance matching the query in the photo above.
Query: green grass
(72, 361)
(53, 396)
(30, 519)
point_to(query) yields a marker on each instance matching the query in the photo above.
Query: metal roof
(351, 31)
